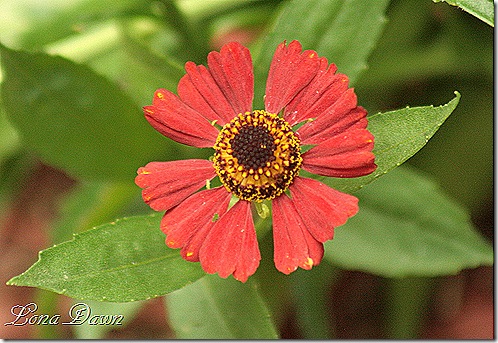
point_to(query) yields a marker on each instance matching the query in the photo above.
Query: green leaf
(398, 136)
(215, 308)
(407, 226)
(274, 286)
(482, 9)
(343, 31)
(122, 261)
(75, 119)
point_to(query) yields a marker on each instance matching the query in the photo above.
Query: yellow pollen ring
(257, 156)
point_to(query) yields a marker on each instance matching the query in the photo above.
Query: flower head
(257, 156)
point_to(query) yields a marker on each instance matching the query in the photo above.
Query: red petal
(166, 184)
(188, 224)
(200, 91)
(223, 91)
(231, 246)
(293, 244)
(290, 71)
(324, 90)
(321, 207)
(174, 119)
(340, 116)
(232, 70)
(346, 155)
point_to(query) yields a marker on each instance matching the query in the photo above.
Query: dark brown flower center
(253, 146)
(257, 156)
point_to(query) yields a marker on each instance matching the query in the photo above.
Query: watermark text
(79, 313)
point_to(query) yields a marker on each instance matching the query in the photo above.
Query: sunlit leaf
(123, 261)
(407, 226)
(398, 136)
(482, 9)
(34, 24)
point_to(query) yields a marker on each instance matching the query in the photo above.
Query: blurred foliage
(427, 50)
(415, 53)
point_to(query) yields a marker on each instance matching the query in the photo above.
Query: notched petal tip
(173, 118)
(294, 245)
(187, 225)
(294, 45)
(159, 95)
(308, 263)
(232, 47)
(322, 208)
(165, 184)
(231, 246)
(148, 110)
(291, 70)
(172, 244)
(232, 70)
(142, 171)
(346, 155)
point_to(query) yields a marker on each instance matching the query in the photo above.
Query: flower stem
(311, 289)
(407, 302)
(262, 223)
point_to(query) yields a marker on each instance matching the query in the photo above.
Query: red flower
(257, 156)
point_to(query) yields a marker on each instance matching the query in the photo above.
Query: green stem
(406, 306)
(262, 224)
(311, 290)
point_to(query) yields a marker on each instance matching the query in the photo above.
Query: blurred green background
(425, 52)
